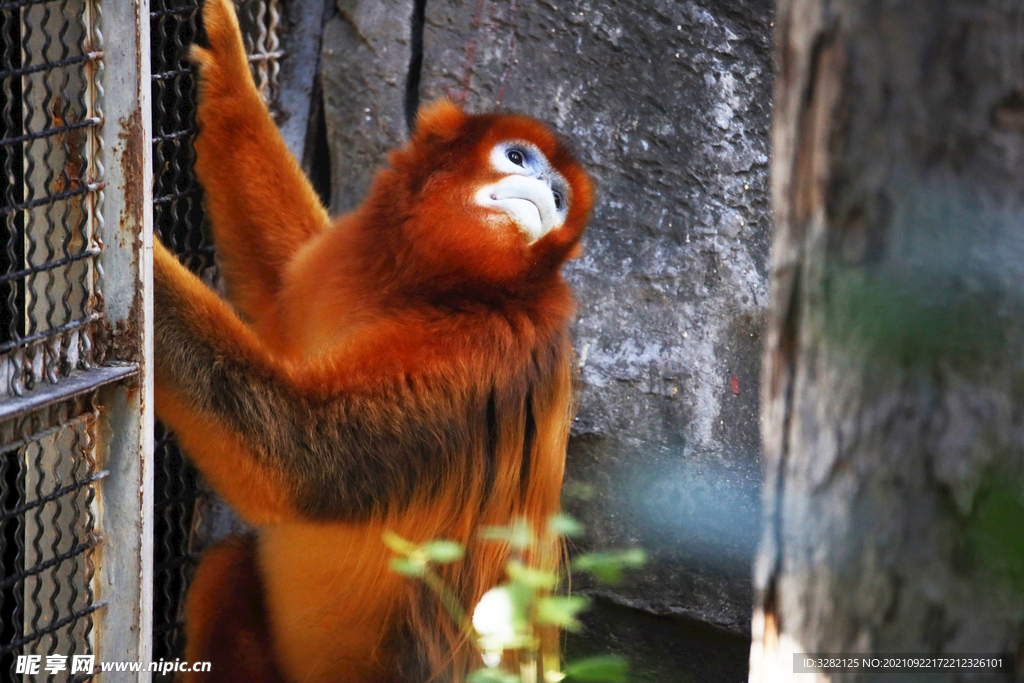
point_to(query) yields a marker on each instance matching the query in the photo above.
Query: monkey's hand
(260, 205)
(224, 65)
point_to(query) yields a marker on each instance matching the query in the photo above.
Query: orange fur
(227, 598)
(244, 163)
(405, 368)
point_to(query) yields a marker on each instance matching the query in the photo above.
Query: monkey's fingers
(225, 36)
(223, 66)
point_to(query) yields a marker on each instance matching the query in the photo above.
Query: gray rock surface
(667, 104)
(365, 55)
(299, 66)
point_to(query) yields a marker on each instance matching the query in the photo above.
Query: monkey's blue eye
(515, 156)
(558, 199)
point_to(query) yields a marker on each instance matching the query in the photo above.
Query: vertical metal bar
(125, 574)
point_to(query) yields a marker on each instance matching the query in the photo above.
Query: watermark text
(86, 664)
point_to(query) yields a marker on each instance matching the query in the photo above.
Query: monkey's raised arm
(274, 447)
(259, 203)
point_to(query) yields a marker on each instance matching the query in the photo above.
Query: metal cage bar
(90, 162)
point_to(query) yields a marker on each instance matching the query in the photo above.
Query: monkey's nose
(527, 200)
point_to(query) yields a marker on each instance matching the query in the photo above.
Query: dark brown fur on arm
(343, 455)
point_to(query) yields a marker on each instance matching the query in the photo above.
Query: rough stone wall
(667, 104)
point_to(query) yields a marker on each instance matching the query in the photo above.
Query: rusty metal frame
(115, 394)
(125, 576)
(109, 399)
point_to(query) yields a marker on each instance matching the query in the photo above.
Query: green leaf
(443, 552)
(521, 597)
(564, 525)
(399, 545)
(522, 535)
(600, 669)
(407, 567)
(608, 565)
(532, 578)
(492, 676)
(519, 535)
(561, 610)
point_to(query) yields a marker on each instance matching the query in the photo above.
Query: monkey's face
(494, 200)
(531, 193)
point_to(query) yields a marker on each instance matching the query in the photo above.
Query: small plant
(518, 620)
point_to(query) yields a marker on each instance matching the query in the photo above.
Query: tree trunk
(893, 386)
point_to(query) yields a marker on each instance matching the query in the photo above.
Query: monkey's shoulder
(437, 354)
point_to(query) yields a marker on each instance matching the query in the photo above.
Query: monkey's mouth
(527, 201)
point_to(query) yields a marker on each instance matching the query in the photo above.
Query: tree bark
(893, 385)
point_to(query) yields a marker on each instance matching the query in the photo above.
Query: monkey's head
(482, 202)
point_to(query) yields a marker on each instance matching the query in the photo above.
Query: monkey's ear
(440, 119)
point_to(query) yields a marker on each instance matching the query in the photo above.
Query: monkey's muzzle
(528, 201)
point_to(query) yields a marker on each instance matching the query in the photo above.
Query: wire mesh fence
(50, 189)
(51, 195)
(54, 335)
(184, 509)
(48, 539)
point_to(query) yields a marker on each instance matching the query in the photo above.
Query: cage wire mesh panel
(49, 285)
(48, 477)
(183, 508)
(50, 308)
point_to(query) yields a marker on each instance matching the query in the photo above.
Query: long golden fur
(405, 367)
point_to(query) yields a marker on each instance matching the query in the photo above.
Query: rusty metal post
(125, 576)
